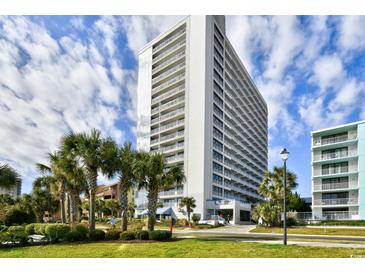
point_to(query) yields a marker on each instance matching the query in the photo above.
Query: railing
(173, 124)
(171, 192)
(171, 103)
(333, 140)
(163, 54)
(320, 216)
(173, 135)
(167, 148)
(171, 114)
(166, 73)
(168, 94)
(342, 201)
(331, 186)
(168, 62)
(334, 170)
(154, 141)
(168, 83)
(335, 155)
(174, 158)
(168, 40)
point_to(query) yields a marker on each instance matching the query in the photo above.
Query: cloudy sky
(72, 73)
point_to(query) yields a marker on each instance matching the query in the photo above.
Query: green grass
(192, 248)
(313, 231)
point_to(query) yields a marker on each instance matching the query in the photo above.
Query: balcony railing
(333, 215)
(174, 158)
(171, 136)
(168, 94)
(168, 83)
(172, 147)
(342, 201)
(167, 73)
(168, 40)
(168, 62)
(331, 186)
(173, 48)
(173, 124)
(333, 140)
(334, 170)
(335, 155)
(172, 114)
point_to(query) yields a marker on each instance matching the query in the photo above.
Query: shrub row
(156, 235)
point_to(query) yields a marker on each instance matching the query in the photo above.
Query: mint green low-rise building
(338, 172)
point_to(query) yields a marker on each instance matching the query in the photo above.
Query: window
(217, 156)
(217, 145)
(340, 137)
(217, 133)
(245, 216)
(218, 100)
(218, 111)
(218, 78)
(218, 44)
(217, 179)
(218, 66)
(217, 191)
(335, 168)
(218, 89)
(217, 168)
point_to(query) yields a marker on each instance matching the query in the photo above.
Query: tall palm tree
(93, 151)
(9, 177)
(112, 205)
(56, 169)
(154, 175)
(189, 204)
(122, 166)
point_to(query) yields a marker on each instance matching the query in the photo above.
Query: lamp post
(284, 156)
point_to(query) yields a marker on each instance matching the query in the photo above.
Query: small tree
(195, 218)
(112, 205)
(189, 204)
(131, 209)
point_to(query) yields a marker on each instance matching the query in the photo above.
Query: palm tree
(9, 177)
(122, 165)
(154, 175)
(112, 205)
(131, 209)
(56, 169)
(93, 152)
(189, 204)
(272, 186)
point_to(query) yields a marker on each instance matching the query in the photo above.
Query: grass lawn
(313, 231)
(192, 248)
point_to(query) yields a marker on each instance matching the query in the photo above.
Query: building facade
(338, 172)
(198, 106)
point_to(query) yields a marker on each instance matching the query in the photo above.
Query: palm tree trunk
(62, 207)
(188, 209)
(68, 208)
(152, 207)
(93, 177)
(124, 206)
(73, 210)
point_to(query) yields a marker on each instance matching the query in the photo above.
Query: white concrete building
(198, 105)
(338, 172)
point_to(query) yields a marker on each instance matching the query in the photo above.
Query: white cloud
(352, 32)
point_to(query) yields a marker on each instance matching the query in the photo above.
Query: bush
(159, 235)
(5, 237)
(16, 216)
(97, 235)
(112, 234)
(40, 229)
(17, 235)
(195, 218)
(82, 231)
(29, 229)
(3, 228)
(127, 235)
(136, 225)
(141, 235)
(56, 232)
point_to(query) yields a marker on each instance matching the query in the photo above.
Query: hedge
(141, 235)
(112, 234)
(57, 232)
(29, 229)
(127, 235)
(160, 235)
(97, 235)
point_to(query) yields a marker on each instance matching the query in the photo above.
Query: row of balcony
(333, 186)
(167, 73)
(329, 202)
(168, 94)
(168, 83)
(167, 116)
(169, 104)
(334, 155)
(168, 62)
(168, 40)
(170, 50)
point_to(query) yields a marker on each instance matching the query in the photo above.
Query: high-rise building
(198, 105)
(338, 172)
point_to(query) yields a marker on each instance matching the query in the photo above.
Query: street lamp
(284, 156)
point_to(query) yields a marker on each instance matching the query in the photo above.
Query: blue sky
(73, 73)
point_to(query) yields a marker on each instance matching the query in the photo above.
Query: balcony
(172, 125)
(174, 159)
(172, 92)
(332, 142)
(332, 186)
(167, 73)
(335, 202)
(172, 192)
(168, 62)
(329, 215)
(168, 83)
(168, 51)
(168, 40)
(172, 136)
(172, 147)
(328, 172)
(334, 156)
(172, 114)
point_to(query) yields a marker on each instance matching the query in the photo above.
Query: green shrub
(17, 235)
(40, 229)
(73, 236)
(136, 225)
(160, 235)
(97, 235)
(82, 231)
(16, 216)
(3, 228)
(5, 237)
(127, 235)
(141, 235)
(112, 234)
(195, 218)
(56, 232)
(29, 229)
